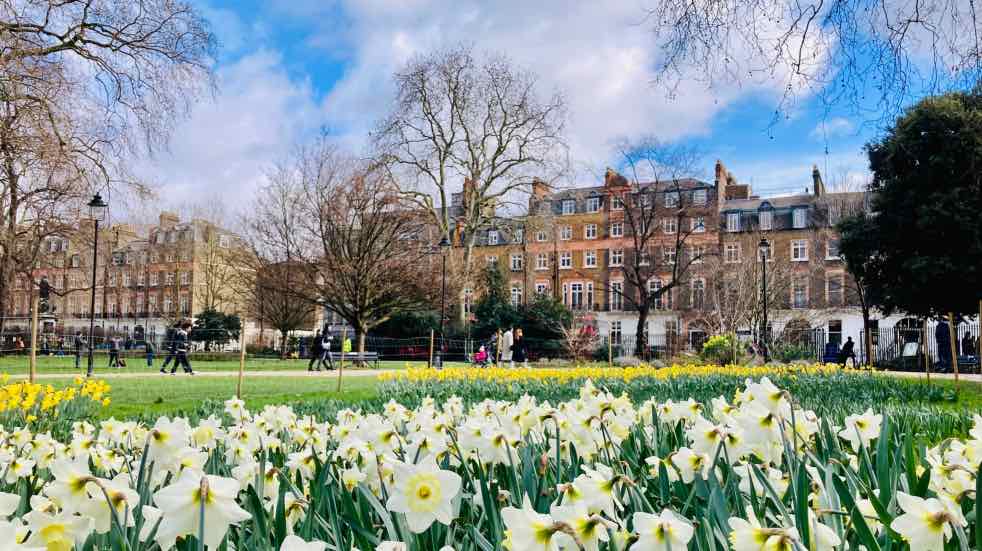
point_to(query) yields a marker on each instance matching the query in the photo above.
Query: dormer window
(569, 206)
(699, 197)
(492, 237)
(766, 220)
(593, 204)
(672, 199)
(799, 218)
(733, 222)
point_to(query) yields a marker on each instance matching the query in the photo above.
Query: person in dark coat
(847, 352)
(181, 349)
(519, 348)
(114, 352)
(170, 345)
(316, 353)
(968, 344)
(78, 345)
(942, 336)
(149, 349)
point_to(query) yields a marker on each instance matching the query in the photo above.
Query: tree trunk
(640, 338)
(867, 337)
(284, 353)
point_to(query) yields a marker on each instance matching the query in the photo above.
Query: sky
(288, 68)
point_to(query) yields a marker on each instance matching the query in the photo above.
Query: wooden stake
(927, 361)
(429, 362)
(344, 337)
(34, 339)
(953, 338)
(242, 358)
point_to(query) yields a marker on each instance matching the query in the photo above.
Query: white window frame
(828, 250)
(733, 248)
(492, 237)
(565, 233)
(616, 257)
(671, 199)
(765, 220)
(733, 221)
(516, 262)
(828, 288)
(615, 297)
(574, 287)
(491, 260)
(617, 229)
(699, 284)
(669, 255)
(569, 207)
(540, 236)
(589, 231)
(794, 289)
(700, 197)
(565, 260)
(799, 246)
(799, 218)
(698, 224)
(224, 241)
(593, 204)
(515, 293)
(589, 259)
(670, 226)
(519, 236)
(542, 261)
(616, 203)
(541, 287)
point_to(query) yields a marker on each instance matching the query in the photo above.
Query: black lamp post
(765, 253)
(97, 212)
(444, 249)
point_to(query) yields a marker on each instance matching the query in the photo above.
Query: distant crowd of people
(510, 349)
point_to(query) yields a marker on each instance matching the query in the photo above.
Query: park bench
(357, 357)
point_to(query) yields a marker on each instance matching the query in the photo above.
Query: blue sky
(288, 68)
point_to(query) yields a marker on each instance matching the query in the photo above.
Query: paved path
(248, 374)
(973, 377)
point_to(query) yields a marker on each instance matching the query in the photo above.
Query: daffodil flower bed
(597, 472)
(40, 406)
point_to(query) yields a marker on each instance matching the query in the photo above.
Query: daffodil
(424, 493)
(861, 429)
(295, 543)
(665, 531)
(528, 530)
(925, 524)
(57, 532)
(181, 504)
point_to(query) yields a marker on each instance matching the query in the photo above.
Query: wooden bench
(360, 357)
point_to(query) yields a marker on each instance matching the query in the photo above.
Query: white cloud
(835, 127)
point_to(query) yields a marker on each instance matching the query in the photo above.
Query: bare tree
(275, 303)
(871, 56)
(658, 195)
(481, 122)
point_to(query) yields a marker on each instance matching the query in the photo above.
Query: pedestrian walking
(78, 344)
(114, 352)
(325, 345)
(519, 349)
(181, 349)
(149, 350)
(507, 341)
(847, 352)
(316, 356)
(968, 344)
(170, 345)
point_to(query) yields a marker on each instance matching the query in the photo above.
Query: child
(481, 357)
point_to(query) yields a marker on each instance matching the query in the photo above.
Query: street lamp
(765, 252)
(97, 212)
(444, 249)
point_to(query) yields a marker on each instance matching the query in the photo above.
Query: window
(616, 295)
(126, 280)
(576, 296)
(566, 233)
(698, 224)
(224, 242)
(644, 199)
(185, 278)
(799, 250)
(733, 221)
(184, 305)
(654, 286)
(569, 206)
(168, 305)
(516, 293)
(799, 293)
(540, 236)
(76, 261)
(615, 332)
(698, 293)
(516, 262)
(799, 218)
(672, 199)
(670, 225)
(834, 287)
(492, 237)
(590, 259)
(112, 279)
(593, 204)
(699, 197)
(616, 203)
(519, 235)
(617, 229)
(766, 219)
(644, 258)
(542, 261)
(617, 257)
(669, 256)
(565, 260)
(140, 280)
(111, 307)
(590, 231)
(589, 294)
(169, 258)
(168, 278)
(732, 252)
(153, 279)
(541, 287)
(696, 254)
(832, 249)
(492, 261)
(139, 303)
(152, 303)
(835, 332)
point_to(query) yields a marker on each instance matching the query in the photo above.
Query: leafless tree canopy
(356, 245)
(462, 118)
(872, 56)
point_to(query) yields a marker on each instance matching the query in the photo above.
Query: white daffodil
(925, 524)
(861, 429)
(665, 531)
(424, 493)
(181, 505)
(689, 464)
(10, 536)
(589, 529)
(57, 532)
(391, 546)
(747, 535)
(295, 543)
(8, 504)
(69, 488)
(351, 478)
(528, 530)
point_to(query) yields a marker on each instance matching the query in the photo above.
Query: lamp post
(97, 212)
(765, 253)
(444, 249)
